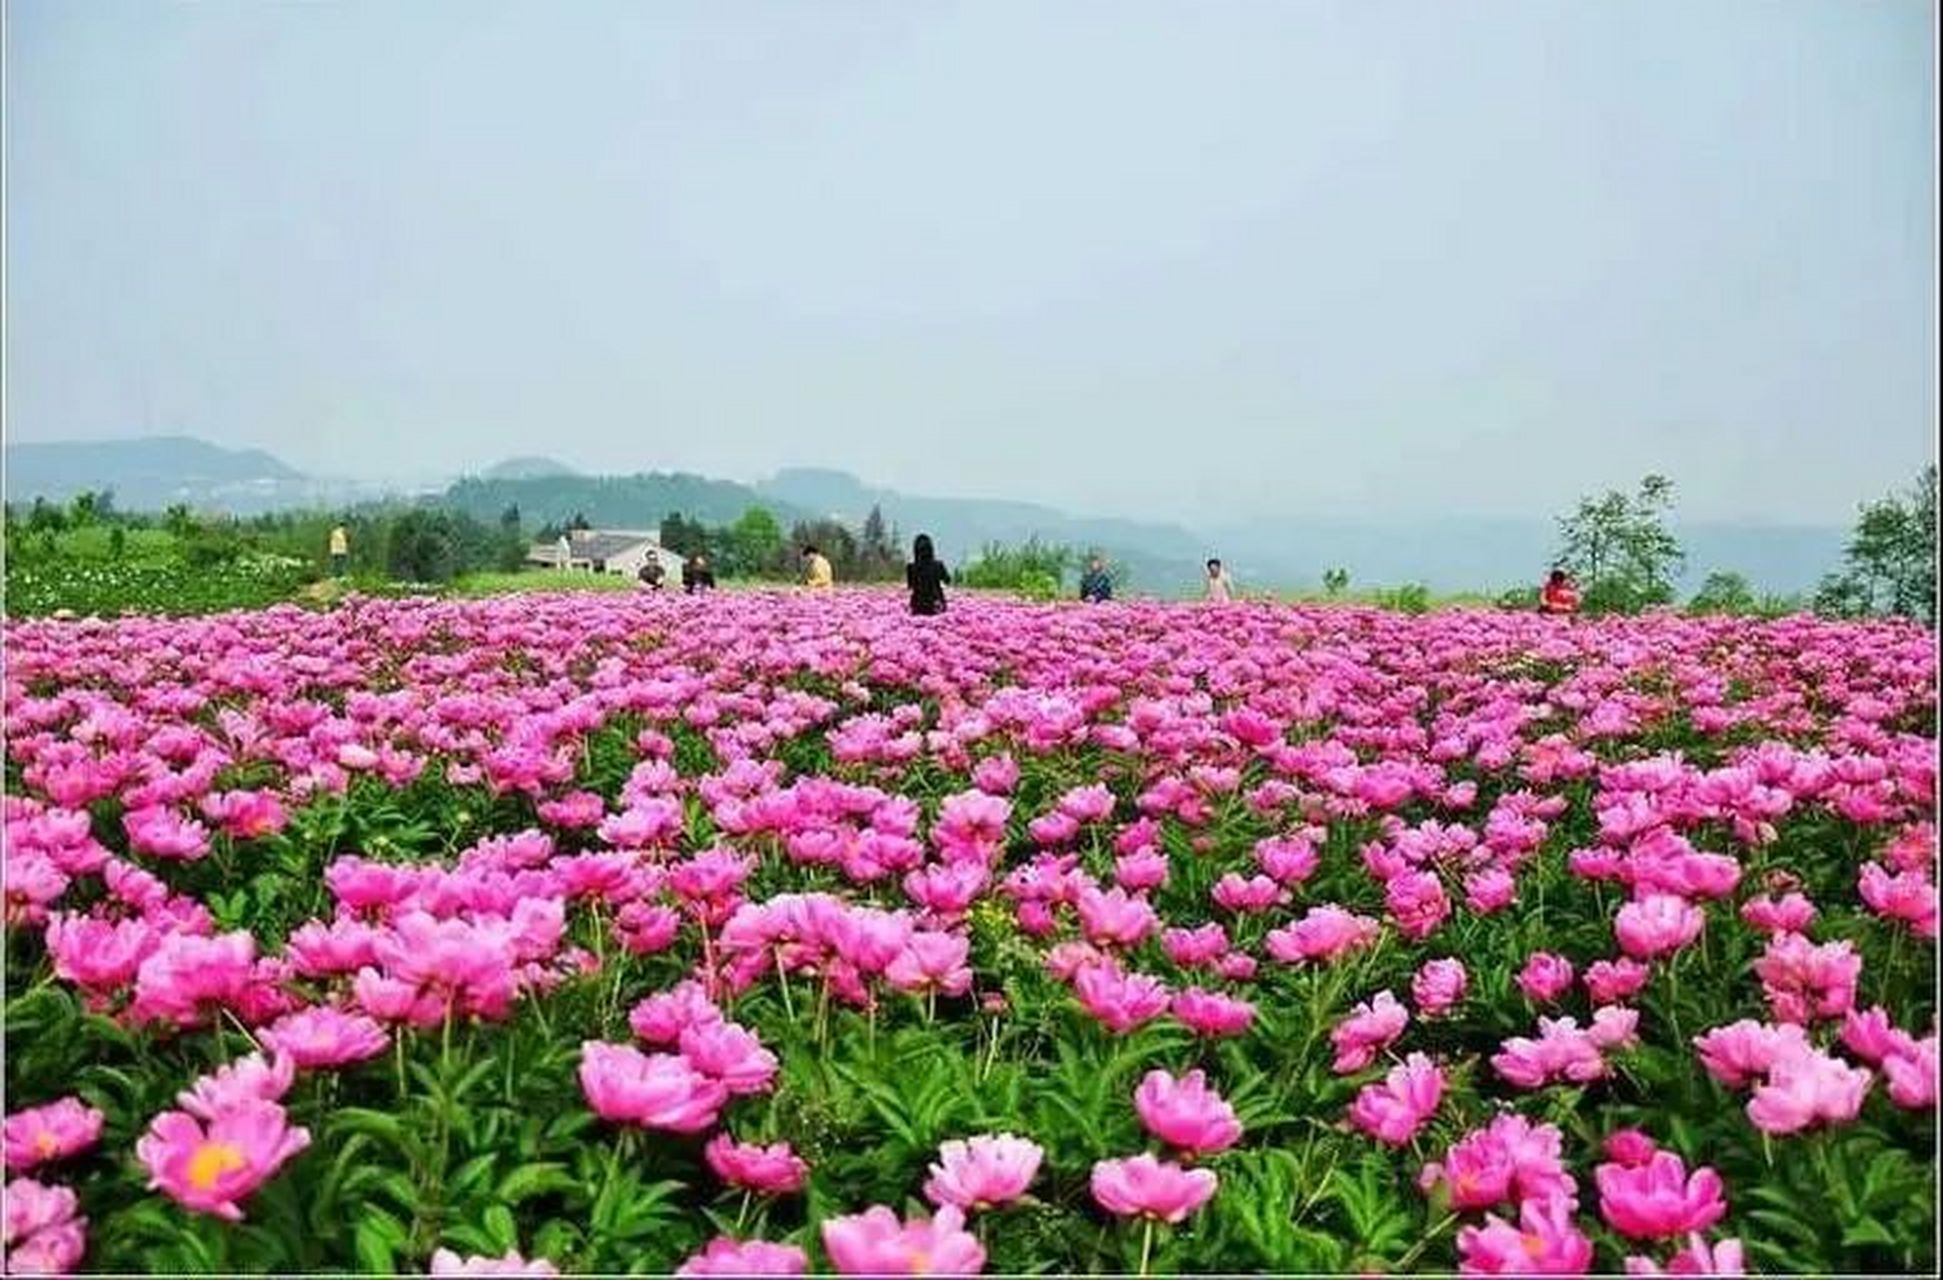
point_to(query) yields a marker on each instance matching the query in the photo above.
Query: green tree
(1889, 566)
(84, 509)
(1335, 582)
(1034, 569)
(424, 546)
(753, 545)
(1618, 546)
(683, 536)
(1724, 591)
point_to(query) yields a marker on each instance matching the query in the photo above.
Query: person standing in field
(696, 576)
(816, 569)
(926, 576)
(1221, 588)
(1560, 595)
(340, 551)
(1096, 585)
(652, 574)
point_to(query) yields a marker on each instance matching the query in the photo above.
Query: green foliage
(1034, 569)
(1335, 582)
(1618, 547)
(1889, 566)
(1412, 598)
(1724, 591)
(753, 545)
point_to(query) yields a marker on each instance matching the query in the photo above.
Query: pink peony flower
(725, 1257)
(662, 1017)
(658, 1091)
(1612, 981)
(876, 1243)
(1120, 1001)
(767, 1170)
(55, 1131)
(1369, 1028)
(1208, 1013)
(324, 1037)
(1545, 977)
(1141, 1186)
(1911, 1073)
(1659, 1198)
(447, 1263)
(983, 1172)
(1545, 1242)
(1695, 1259)
(731, 1054)
(1806, 1087)
(210, 1168)
(44, 1234)
(1657, 925)
(1741, 1051)
(1392, 1112)
(1185, 1113)
(1325, 933)
(1629, 1147)
(1438, 986)
(1907, 896)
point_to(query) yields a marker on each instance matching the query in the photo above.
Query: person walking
(1221, 588)
(340, 551)
(1096, 584)
(926, 576)
(816, 569)
(696, 576)
(1560, 595)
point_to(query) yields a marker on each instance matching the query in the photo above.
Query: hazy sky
(1180, 259)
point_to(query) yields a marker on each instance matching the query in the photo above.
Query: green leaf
(375, 1243)
(530, 1180)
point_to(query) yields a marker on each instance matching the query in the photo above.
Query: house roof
(595, 544)
(601, 546)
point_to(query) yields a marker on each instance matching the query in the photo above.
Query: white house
(621, 551)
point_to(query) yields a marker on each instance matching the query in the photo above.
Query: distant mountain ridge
(155, 472)
(1446, 554)
(531, 467)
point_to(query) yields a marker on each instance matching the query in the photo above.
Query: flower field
(776, 933)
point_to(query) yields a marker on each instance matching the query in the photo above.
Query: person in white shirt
(1221, 588)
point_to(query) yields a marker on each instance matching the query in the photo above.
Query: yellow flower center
(46, 1144)
(211, 1161)
(920, 1263)
(1534, 1245)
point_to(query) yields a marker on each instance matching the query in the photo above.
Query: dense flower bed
(768, 932)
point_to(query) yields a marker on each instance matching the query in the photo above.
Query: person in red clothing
(1560, 595)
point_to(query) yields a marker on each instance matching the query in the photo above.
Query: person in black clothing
(926, 576)
(1096, 584)
(651, 573)
(697, 576)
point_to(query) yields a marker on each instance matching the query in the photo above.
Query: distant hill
(618, 502)
(152, 472)
(531, 467)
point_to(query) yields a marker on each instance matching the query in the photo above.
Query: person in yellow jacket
(340, 551)
(816, 570)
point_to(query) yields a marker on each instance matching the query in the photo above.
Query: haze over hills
(1443, 553)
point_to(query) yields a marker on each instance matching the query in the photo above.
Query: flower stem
(1146, 1243)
